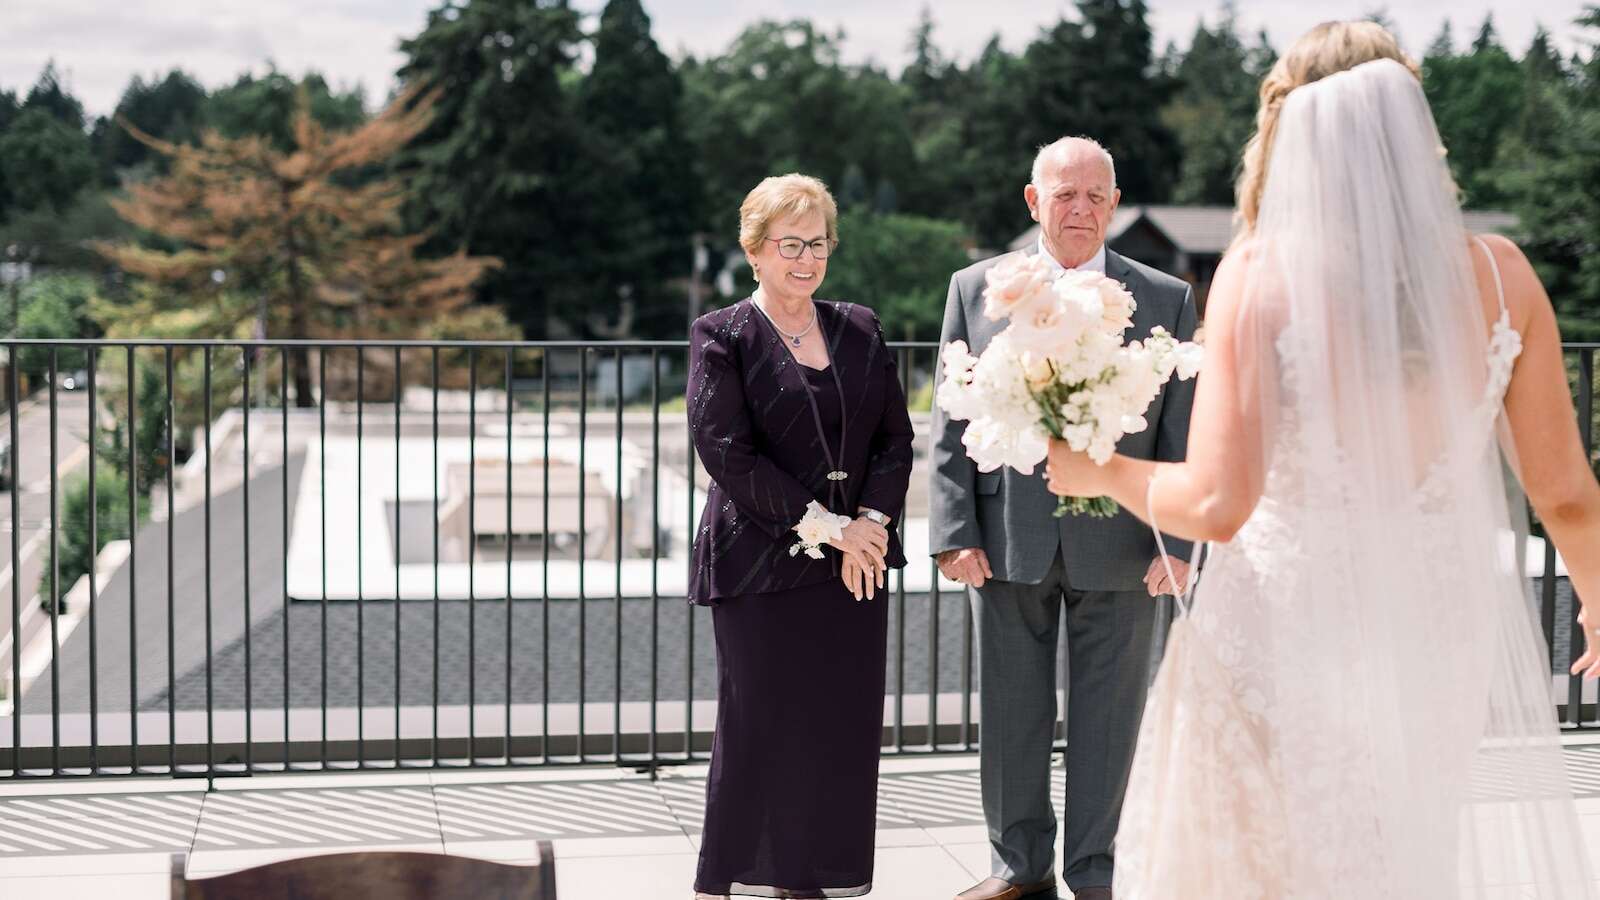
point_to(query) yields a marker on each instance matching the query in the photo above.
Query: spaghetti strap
(1499, 286)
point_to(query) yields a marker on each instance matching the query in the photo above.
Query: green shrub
(111, 506)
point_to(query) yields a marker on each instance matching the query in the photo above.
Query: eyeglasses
(792, 247)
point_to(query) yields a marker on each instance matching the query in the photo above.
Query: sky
(100, 45)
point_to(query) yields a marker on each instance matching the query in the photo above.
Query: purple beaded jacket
(762, 443)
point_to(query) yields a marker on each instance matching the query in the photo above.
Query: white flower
(1060, 367)
(1190, 358)
(1037, 370)
(1013, 282)
(817, 527)
(958, 360)
(991, 444)
(1053, 321)
(1118, 304)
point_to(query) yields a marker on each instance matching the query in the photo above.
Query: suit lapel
(1118, 269)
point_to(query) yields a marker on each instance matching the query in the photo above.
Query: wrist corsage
(816, 528)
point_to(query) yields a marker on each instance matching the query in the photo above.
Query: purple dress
(791, 799)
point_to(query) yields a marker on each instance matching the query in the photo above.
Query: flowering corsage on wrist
(817, 527)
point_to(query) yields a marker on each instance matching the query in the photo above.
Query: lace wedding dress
(1357, 703)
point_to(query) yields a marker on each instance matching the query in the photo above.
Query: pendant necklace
(794, 339)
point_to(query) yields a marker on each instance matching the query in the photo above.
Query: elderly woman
(796, 410)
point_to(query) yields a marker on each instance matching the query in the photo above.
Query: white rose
(1118, 305)
(1012, 282)
(815, 528)
(1050, 325)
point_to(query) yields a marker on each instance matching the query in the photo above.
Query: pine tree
(275, 244)
(1213, 111)
(45, 157)
(1098, 76)
(995, 136)
(266, 107)
(171, 109)
(643, 232)
(1552, 191)
(766, 104)
(1544, 74)
(51, 96)
(939, 101)
(926, 76)
(505, 169)
(1474, 97)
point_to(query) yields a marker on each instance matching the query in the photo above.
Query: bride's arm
(1209, 496)
(1551, 462)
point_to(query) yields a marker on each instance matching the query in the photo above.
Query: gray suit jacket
(1007, 513)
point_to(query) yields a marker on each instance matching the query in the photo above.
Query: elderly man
(994, 532)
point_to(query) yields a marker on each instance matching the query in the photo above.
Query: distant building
(1188, 241)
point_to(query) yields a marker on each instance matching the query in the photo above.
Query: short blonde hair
(1328, 48)
(779, 196)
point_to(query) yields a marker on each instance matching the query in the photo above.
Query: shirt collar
(1095, 263)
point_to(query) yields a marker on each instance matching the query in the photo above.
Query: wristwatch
(873, 515)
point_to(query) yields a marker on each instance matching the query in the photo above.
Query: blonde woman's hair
(1328, 48)
(779, 196)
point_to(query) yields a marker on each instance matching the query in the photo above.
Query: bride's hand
(1072, 474)
(1589, 663)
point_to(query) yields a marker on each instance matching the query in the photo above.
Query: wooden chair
(376, 875)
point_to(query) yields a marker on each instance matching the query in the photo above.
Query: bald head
(1073, 152)
(1072, 196)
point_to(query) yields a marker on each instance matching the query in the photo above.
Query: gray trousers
(1109, 660)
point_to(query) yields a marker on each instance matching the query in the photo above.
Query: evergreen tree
(996, 124)
(52, 97)
(1444, 43)
(506, 168)
(643, 231)
(939, 98)
(1544, 75)
(779, 101)
(48, 160)
(9, 110)
(1553, 193)
(1475, 97)
(926, 77)
(1213, 111)
(267, 107)
(1097, 76)
(171, 108)
(45, 158)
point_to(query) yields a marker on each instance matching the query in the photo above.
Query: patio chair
(376, 875)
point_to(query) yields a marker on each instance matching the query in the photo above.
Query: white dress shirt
(1095, 263)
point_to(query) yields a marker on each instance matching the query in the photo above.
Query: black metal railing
(268, 605)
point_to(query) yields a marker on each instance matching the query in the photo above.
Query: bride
(1358, 702)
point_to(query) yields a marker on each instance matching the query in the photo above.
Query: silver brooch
(838, 476)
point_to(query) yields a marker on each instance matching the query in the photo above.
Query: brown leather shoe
(1093, 893)
(993, 888)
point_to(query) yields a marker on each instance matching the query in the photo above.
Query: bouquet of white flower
(1059, 369)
